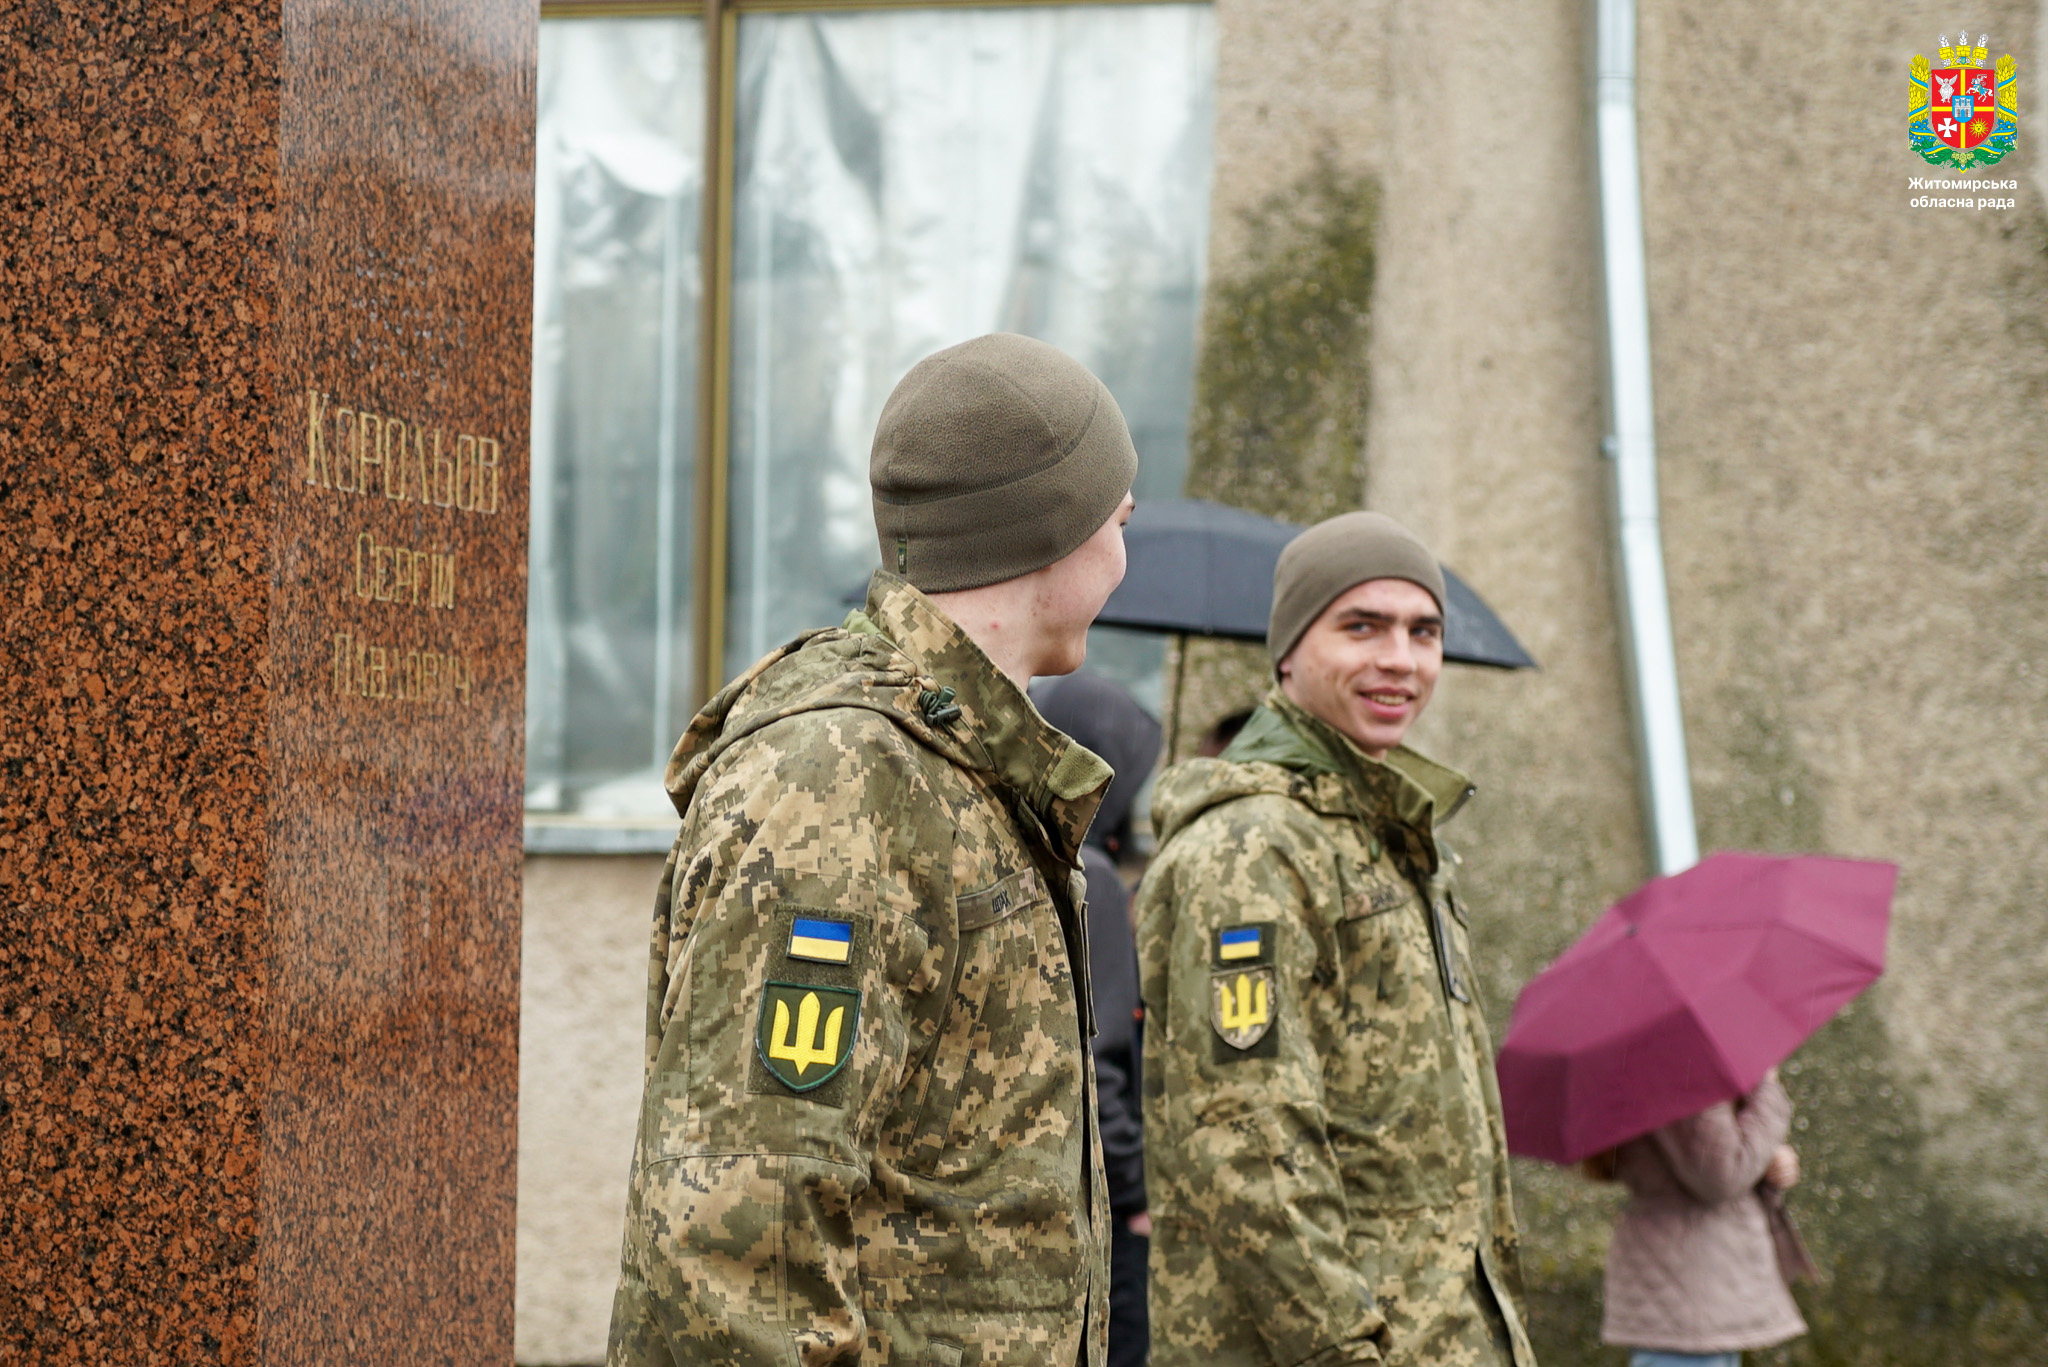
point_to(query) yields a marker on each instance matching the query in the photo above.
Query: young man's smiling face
(1368, 664)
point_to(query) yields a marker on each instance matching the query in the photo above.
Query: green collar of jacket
(1413, 789)
(1058, 778)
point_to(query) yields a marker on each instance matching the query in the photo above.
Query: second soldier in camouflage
(1324, 1153)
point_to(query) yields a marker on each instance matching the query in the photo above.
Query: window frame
(711, 497)
(711, 494)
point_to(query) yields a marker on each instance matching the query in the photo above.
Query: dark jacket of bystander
(1101, 716)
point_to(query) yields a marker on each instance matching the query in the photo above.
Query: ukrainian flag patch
(1243, 945)
(821, 941)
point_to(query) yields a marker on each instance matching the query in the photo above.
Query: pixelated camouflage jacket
(868, 1133)
(1324, 1151)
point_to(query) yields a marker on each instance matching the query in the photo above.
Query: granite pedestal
(265, 280)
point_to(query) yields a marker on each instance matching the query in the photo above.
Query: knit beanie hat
(1323, 562)
(992, 459)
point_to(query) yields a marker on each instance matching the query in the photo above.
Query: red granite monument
(265, 283)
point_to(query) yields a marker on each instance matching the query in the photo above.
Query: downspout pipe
(1631, 451)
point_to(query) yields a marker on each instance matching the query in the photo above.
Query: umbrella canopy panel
(1200, 568)
(1204, 569)
(1685, 993)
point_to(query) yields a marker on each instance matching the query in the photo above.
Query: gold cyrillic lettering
(369, 448)
(401, 674)
(487, 454)
(443, 466)
(469, 475)
(316, 447)
(364, 541)
(465, 472)
(402, 574)
(345, 447)
(391, 451)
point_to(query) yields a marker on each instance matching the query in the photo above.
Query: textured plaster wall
(583, 1000)
(1855, 455)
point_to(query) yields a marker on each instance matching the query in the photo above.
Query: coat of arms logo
(1965, 112)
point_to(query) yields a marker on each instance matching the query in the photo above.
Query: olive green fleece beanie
(992, 459)
(1323, 562)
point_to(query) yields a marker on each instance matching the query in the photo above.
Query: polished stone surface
(264, 283)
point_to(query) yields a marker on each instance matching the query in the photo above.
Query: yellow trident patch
(1241, 1006)
(805, 1034)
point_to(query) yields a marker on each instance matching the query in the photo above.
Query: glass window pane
(619, 166)
(907, 180)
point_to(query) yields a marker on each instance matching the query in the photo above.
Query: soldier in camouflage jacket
(1324, 1152)
(916, 1187)
(867, 1135)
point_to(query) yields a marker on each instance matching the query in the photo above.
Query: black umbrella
(1207, 570)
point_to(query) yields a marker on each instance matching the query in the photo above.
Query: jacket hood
(901, 657)
(1193, 786)
(1109, 721)
(1285, 751)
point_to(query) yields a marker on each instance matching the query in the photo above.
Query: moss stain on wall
(1281, 391)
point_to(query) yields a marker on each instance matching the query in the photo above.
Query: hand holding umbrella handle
(1795, 1264)
(1783, 1172)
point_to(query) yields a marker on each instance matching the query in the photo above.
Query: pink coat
(1692, 1268)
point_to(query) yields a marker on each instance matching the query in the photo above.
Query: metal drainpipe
(1631, 448)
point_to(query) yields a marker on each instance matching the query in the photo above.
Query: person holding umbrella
(1701, 1260)
(1652, 1045)
(1324, 1155)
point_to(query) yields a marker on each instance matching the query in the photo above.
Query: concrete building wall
(582, 1005)
(1855, 449)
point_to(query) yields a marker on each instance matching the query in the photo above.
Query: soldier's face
(1069, 594)
(1368, 665)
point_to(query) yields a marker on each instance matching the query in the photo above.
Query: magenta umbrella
(1686, 993)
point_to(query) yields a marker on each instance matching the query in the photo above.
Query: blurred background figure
(1106, 719)
(1649, 1050)
(1218, 737)
(1704, 1254)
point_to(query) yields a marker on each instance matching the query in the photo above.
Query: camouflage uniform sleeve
(739, 1245)
(1249, 1155)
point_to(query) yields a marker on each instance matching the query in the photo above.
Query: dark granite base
(264, 292)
